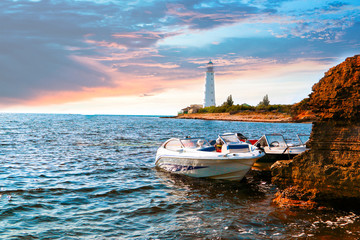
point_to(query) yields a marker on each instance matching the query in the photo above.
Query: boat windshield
(276, 141)
(231, 138)
(303, 138)
(195, 143)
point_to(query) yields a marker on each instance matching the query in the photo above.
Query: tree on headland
(229, 101)
(265, 102)
(230, 107)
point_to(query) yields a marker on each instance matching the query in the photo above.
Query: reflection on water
(93, 177)
(220, 208)
(244, 211)
(255, 184)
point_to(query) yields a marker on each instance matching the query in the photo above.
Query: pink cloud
(107, 44)
(139, 34)
(152, 65)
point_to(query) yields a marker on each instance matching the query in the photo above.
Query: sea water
(93, 177)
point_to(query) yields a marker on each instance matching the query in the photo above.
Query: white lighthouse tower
(209, 86)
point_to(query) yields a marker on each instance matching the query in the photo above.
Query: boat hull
(275, 154)
(226, 168)
(273, 157)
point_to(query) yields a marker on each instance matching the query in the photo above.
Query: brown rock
(337, 94)
(329, 171)
(293, 197)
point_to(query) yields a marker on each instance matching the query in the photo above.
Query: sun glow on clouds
(136, 57)
(165, 101)
(121, 85)
(246, 86)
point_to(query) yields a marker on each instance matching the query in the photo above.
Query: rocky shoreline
(244, 117)
(329, 172)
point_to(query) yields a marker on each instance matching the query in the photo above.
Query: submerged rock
(329, 172)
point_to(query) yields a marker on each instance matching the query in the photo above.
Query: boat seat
(207, 149)
(237, 146)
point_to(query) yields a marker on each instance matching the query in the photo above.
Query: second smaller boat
(276, 148)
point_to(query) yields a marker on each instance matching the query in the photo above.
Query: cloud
(148, 65)
(146, 95)
(62, 51)
(211, 14)
(30, 68)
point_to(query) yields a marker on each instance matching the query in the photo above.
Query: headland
(243, 116)
(297, 113)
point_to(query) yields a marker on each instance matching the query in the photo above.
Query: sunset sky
(149, 56)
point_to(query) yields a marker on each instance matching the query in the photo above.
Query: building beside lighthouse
(209, 86)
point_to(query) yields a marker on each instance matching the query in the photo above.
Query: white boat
(195, 157)
(276, 148)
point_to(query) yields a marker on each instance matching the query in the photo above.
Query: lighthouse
(209, 86)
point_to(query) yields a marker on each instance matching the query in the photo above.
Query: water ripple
(92, 177)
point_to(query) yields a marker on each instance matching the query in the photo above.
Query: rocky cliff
(330, 171)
